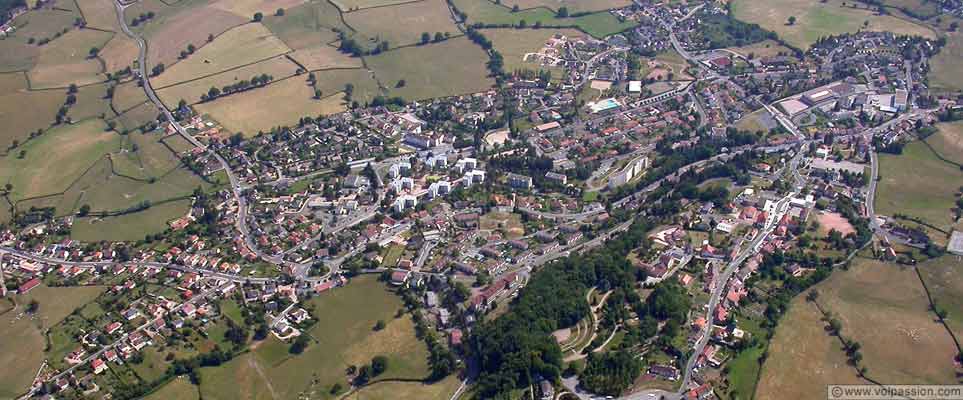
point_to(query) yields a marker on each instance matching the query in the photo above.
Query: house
(401, 277)
(99, 366)
(28, 285)
(112, 327)
(548, 392)
(666, 372)
(519, 181)
(455, 337)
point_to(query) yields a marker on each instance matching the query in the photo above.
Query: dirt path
(257, 367)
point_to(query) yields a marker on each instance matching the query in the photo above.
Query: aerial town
(584, 199)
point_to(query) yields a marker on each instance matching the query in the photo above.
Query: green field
(948, 141)
(15, 52)
(408, 21)
(571, 5)
(235, 48)
(945, 72)
(91, 103)
(57, 158)
(23, 344)
(129, 227)
(23, 111)
(902, 191)
(178, 388)
(452, 67)
(599, 25)
(441, 390)
(66, 60)
(308, 25)
(945, 282)
(815, 19)
(343, 337)
(191, 91)
(513, 44)
(178, 24)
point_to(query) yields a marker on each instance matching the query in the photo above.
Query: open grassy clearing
(119, 53)
(128, 95)
(917, 8)
(15, 52)
(23, 111)
(765, 48)
(309, 25)
(325, 57)
(352, 5)
(344, 336)
(945, 282)
(137, 116)
(247, 8)
(598, 24)
(815, 19)
(945, 72)
(901, 342)
(178, 25)
(92, 102)
(237, 47)
(407, 22)
(902, 191)
(333, 81)
(452, 67)
(279, 67)
(66, 60)
(408, 390)
(755, 121)
(99, 14)
(513, 44)
(572, 5)
(281, 103)
(23, 344)
(178, 388)
(144, 156)
(802, 344)
(948, 141)
(56, 159)
(129, 227)
(111, 192)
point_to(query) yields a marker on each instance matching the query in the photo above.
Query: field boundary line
(383, 6)
(227, 70)
(929, 297)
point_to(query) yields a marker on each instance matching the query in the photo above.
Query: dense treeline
(610, 373)
(721, 31)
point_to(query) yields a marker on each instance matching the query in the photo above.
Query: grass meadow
(902, 191)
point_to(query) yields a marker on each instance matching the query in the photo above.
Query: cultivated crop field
(407, 21)
(235, 48)
(452, 67)
(191, 91)
(902, 191)
(280, 103)
(269, 371)
(815, 19)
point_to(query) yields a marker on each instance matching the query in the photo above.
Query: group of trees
(240, 86)
(143, 17)
(439, 37)
(610, 373)
(722, 30)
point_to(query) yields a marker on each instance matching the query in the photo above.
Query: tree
(792, 20)
(336, 388)
(378, 365)
(425, 37)
(84, 210)
(279, 12)
(813, 295)
(213, 93)
(379, 325)
(33, 306)
(299, 345)
(93, 52)
(439, 37)
(317, 93)
(400, 84)
(157, 70)
(515, 8)
(562, 12)
(258, 17)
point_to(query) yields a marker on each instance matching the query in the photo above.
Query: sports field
(452, 67)
(948, 141)
(599, 25)
(130, 227)
(235, 48)
(281, 103)
(802, 344)
(23, 111)
(56, 159)
(66, 60)
(343, 337)
(815, 19)
(514, 44)
(901, 343)
(902, 191)
(407, 22)
(23, 344)
(279, 68)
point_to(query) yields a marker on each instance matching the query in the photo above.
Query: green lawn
(129, 227)
(343, 337)
(902, 191)
(943, 278)
(599, 24)
(453, 67)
